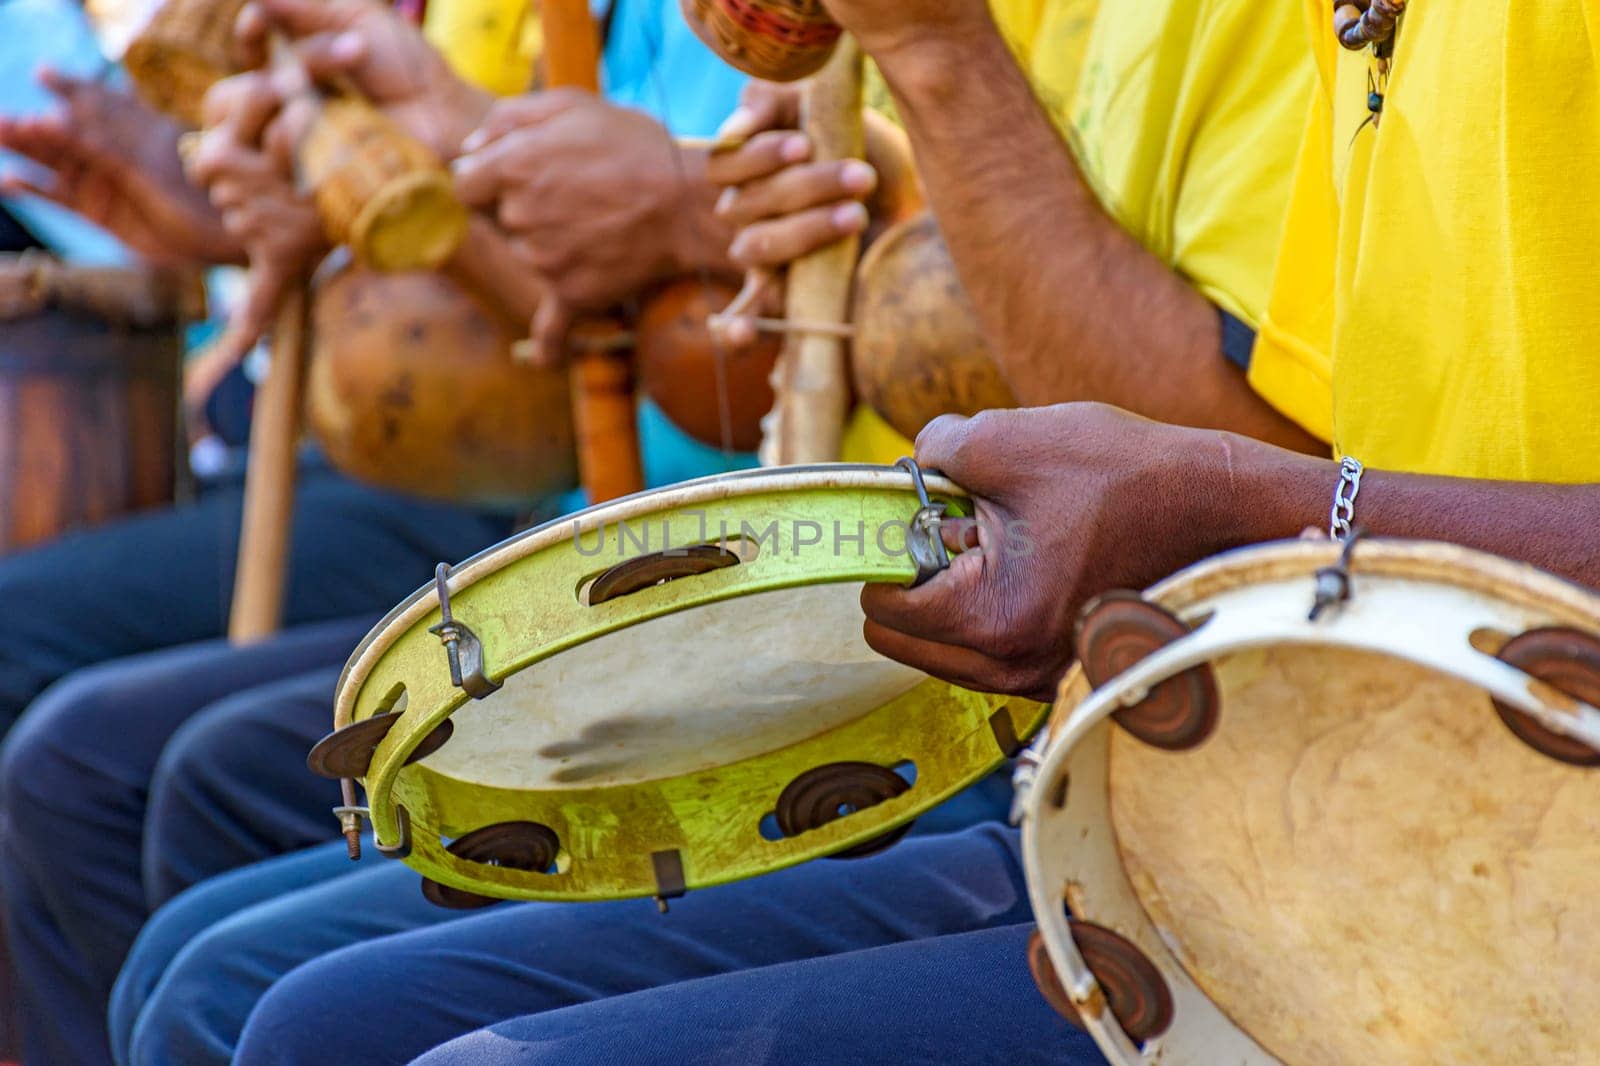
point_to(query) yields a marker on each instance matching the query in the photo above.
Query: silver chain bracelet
(1344, 498)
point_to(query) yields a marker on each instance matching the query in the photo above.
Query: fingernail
(348, 46)
(474, 140)
(739, 249)
(726, 201)
(736, 124)
(857, 176)
(795, 148)
(850, 218)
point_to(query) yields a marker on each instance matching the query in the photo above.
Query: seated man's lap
(522, 958)
(962, 997)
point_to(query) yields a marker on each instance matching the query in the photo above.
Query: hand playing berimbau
(374, 49)
(1071, 501)
(243, 162)
(785, 205)
(113, 160)
(595, 199)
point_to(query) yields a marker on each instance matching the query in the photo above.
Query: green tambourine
(664, 692)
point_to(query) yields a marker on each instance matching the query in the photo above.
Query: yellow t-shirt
(1437, 273)
(494, 44)
(1049, 37)
(1186, 119)
(1184, 116)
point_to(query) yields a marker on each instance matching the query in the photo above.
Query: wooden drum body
(675, 693)
(1329, 847)
(918, 351)
(412, 385)
(89, 380)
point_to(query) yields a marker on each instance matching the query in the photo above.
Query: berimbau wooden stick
(604, 414)
(258, 587)
(810, 381)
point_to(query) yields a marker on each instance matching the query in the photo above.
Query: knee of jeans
(201, 750)
(311, 1014)
(195, 1012)
(42, 764)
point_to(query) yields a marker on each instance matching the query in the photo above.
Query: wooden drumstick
(810, 381)
(258, 587)
(603, 409)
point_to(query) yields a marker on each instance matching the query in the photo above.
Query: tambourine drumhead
(671, 719)
(1362, 863)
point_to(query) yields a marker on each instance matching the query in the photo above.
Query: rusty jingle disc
(647, 570)
(1118, 630)
(829, 792)
(1567, 660)
(347, 753)
(517, 845)
(1134, 989)
(1047, 981)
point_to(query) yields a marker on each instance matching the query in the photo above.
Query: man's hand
(884, 29)
(372, 47)
(598, 200)
(1071, 501)
(114, 161)
(243, 163)
(785, 206)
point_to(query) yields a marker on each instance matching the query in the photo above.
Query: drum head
(1361, 863)
(677, 695)
(684, 693)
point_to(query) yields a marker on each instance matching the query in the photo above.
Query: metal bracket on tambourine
(1333, 582)
(923, 540)
(461, 645)
(402, 849)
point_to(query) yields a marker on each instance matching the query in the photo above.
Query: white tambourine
(1373, 836)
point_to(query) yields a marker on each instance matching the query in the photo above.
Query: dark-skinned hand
(107, 156)
(1071, 501)
(595, 199)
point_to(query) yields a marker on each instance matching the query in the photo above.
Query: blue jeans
(960, 997)
(287, 949)
(164, 578)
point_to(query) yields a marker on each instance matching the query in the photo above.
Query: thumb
(942, 446)
(763, 105)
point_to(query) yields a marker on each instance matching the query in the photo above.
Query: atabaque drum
(1309, 806)
(664, 692)
(89, 381)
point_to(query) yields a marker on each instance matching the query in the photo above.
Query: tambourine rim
(498, 556)
(1520, 587)
(1375, 556)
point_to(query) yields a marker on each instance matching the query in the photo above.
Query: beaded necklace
(1360, 24)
